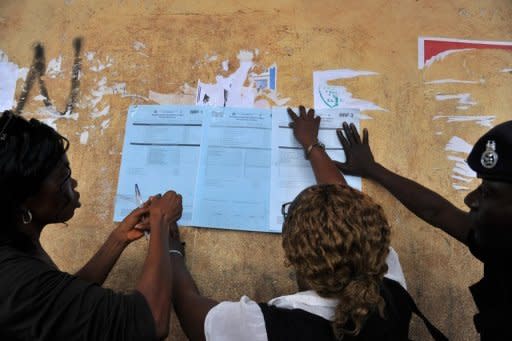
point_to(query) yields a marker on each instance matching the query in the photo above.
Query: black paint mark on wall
(75, 77)
(38, 69)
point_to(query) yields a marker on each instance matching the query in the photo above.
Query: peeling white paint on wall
(211, 58)
(461, 171)
(463, 99)
(483, 120)
(90, 55)
(138, 45)
(136, 96)
(460, 187)
(225, 65)
(331, 75)
(186, 96)
(8, 78)
(105, 124)
(40, 98)
(96, 94)
(100, 66)
(50, 116)
(84, 137)
(3, 57)
(452, 81)
(442, 56)
(458, 145)
(54, 67)
(22, 73)
(98, 113)
(10, 73)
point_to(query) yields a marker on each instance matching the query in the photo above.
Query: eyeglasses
(284, 209)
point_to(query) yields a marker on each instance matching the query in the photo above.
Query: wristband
(310, 148)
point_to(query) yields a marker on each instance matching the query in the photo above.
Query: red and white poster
(431, 49)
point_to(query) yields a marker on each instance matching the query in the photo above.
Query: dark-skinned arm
(424, 203)
(190, 307)
(99, 266)
(155, 283)
(305, 129)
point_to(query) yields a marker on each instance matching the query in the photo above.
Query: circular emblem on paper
(489, 157)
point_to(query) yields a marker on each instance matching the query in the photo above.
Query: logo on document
(329, 95)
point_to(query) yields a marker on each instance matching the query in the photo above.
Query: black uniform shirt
(493, 293)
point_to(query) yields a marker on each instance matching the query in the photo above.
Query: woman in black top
(39, 302)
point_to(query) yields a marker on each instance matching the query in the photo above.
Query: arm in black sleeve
(38, 302)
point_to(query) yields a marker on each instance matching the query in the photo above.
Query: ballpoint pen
(140, 203)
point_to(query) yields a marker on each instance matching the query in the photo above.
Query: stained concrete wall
(179, 40)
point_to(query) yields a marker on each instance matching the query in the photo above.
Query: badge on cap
(489, 158)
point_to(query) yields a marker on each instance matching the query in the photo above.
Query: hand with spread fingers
(359, 158)
(305, 129)
(305, 126)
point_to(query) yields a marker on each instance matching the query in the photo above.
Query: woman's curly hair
(337, 239)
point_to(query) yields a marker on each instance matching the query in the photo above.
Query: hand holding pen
(140, 203)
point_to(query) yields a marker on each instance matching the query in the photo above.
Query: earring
(26, 217)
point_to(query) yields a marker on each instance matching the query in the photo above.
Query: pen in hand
(140, 203)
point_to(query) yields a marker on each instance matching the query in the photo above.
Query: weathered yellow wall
(301, 37)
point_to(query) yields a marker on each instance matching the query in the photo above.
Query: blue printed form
(291, 172)
(234, 167)
(233, 181)
(160, 152)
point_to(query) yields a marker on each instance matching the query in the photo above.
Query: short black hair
(29, 151)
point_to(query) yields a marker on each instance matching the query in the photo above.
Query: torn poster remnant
(335, 96)
(432, 49)
(241, 88)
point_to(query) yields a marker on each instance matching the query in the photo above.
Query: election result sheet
(160, 153)
(290, 171)
(233, 182)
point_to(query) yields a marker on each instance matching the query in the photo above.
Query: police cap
(491, 157)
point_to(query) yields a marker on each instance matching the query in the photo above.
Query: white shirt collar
(311, 302)
(308, 301)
